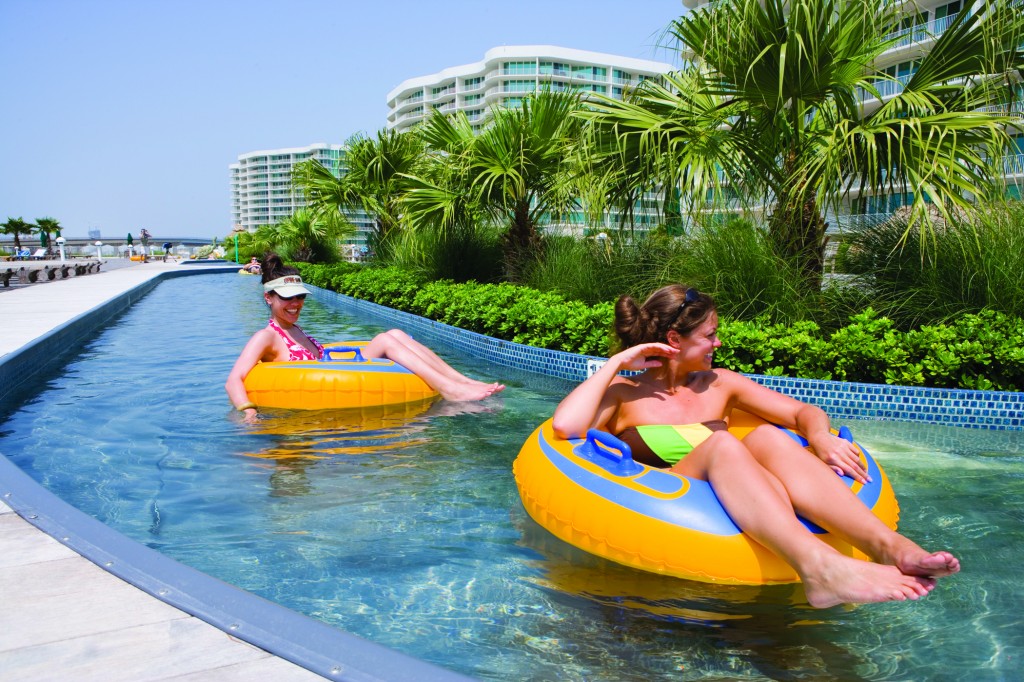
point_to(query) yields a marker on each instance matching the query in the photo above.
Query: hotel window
(1017, 144)
(519, 68)
(914, 20)
(554, 69)
(590, 72)
(949, 10)
(520, 86)
(472, 99)
(903, 70)
(472, 83)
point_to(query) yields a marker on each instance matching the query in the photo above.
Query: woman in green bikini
(764, 480)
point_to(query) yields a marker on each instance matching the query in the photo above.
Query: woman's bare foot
(844, 580)
(934, 565)
(911, 559)
(476, 390)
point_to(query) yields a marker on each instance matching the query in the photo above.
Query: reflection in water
(303, 438)
(769, 627)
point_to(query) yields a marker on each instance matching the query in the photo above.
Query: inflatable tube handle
(610, 453)
(326, 356)
(846, 434)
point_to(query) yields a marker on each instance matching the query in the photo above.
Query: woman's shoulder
(721, 380)
(263, 338)
(728, 376)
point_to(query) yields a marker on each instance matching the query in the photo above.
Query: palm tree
(780, 107)
(374, 177)
(47, 226)
(516, 170)
(305, 236)
(17, 227)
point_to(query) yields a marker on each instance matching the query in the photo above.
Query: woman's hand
(638, 358)
(841, 455)
(588, 406)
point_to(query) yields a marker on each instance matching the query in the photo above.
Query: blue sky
(123, 114)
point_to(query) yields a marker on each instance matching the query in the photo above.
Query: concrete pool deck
(65, 616)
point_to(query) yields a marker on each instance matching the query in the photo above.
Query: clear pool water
(405, 527)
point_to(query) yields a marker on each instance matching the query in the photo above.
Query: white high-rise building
(509, 73)
(924, 23)
(262, 191)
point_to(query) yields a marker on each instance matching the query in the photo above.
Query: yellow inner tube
(658, 521)
(344, 381)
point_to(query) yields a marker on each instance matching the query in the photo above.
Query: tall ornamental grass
(734, 262)
(586, 270)
(963, 268)
(460, 254)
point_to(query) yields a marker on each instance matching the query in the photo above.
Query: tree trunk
(521, 240)
(798, 231)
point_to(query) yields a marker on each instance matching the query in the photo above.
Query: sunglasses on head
(691, 296)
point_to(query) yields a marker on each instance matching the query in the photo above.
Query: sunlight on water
(404, 525)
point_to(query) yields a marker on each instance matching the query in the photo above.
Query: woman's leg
(756, 501)
(821, 496)
(398, 346)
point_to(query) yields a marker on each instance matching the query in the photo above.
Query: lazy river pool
(404, 526)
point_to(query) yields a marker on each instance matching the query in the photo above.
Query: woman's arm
(259, 346)
(811, 421)
(590, 405)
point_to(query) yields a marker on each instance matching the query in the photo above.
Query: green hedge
(504, 311)
(984, 351)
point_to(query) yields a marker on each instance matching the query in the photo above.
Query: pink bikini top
(297, 351)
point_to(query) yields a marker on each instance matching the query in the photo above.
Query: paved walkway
(61, 616)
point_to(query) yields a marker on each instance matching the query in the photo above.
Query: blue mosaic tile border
(996, 410)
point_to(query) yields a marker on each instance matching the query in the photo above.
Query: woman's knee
(719, 449)
(724, 444)
(397, 336)
(769, 435)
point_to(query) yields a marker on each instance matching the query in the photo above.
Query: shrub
(983, 351)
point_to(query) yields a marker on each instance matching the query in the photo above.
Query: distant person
(253, 266)
(167, 250)
(282, 340)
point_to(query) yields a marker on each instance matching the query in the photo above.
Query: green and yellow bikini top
(662, 445)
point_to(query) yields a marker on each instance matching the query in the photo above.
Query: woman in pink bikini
(764, 480)
(282, 340)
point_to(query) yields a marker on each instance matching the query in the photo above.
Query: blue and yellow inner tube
(342, 378)
(592, 494)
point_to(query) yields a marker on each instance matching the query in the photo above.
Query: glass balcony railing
(1013, 165)
(919, 33)
(886, 88)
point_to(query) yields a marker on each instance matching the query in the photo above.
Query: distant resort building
(261, 185)
(262, 191)
(508, 74)
(505, 77)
